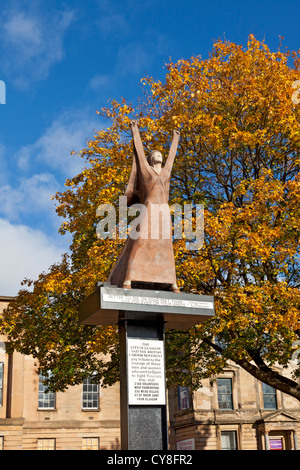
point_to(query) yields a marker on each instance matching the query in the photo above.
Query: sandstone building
(234, 411)
(231, 411)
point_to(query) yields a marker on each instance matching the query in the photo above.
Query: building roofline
(6, 298)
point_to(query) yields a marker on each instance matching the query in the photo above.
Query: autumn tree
(239, 155)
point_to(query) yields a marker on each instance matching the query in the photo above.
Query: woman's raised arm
(138, 145)
(172, 152)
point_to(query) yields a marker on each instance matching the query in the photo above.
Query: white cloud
(100, 82)
(25, 33)
(68, 133)
(25, 253)
(32, 42)
(32, 195)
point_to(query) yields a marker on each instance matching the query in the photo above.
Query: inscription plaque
(143, 300)
(146, 372)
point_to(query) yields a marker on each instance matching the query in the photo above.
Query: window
(221, 343)
(183, 398)
(90, 395)
(46, 399)
(269, 397)
(225, 394)
(90, 443)
(46, 444)
(1, 383)
(228, 440)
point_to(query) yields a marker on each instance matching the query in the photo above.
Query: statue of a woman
(148, 259)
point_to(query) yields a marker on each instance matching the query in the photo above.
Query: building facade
(231, 411)
(234, 411)
(83, 417)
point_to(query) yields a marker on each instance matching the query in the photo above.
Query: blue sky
(61, 61)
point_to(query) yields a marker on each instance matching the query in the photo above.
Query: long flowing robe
(150, 257)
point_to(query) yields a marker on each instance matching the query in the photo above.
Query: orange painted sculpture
(148, 258)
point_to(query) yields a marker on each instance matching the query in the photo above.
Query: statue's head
(155, 157)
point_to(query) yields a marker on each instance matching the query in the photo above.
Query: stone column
(296, 446)
(144, 425)
(267, 442)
